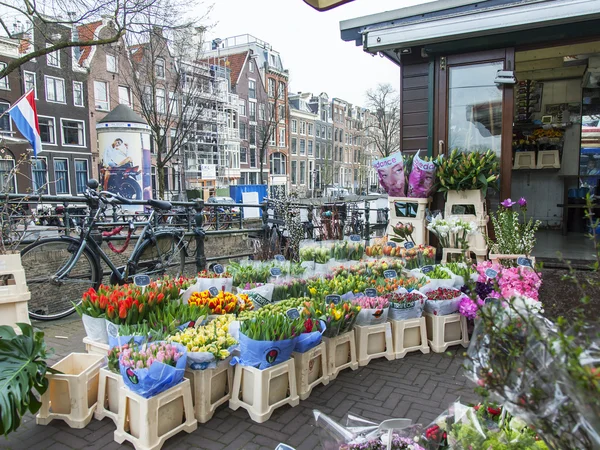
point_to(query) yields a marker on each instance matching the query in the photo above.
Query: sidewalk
(418, 387)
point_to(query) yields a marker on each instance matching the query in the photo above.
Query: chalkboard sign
(213, 291)
(218, 269)
(491, 273)
(371, 292)
(275, 271)
(141, 280)
(409, 245)
(355, 237)
(426, 269)
(335, 299)
(525, 262)
(292, 314)
(391, 244)
(389, 274)
(279, 258)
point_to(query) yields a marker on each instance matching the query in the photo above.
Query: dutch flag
(24, 115)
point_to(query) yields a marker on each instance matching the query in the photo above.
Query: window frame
(161, 109)
(310, 147)
(80, 84)
(251, 90)
(14, 180)
(6, 115)
(53, 126)
(294, 146)
(261, 111)
(50, 77)
(282, 141)
(52, 55)
(244, 151)
(163, 66)
(293, 172)
(116, 59)
(54, 160)
(46, 189)
(302, 177)
(311, 129)
(129, 99)
(62, 135)
(300, 148)
(252, 111)
(294, 126)
(272, 86)
(87, 171)
(25, 73)
(105, 83)
(4, 81)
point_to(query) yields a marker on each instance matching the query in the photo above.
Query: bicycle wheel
(50, 298)
(163, 255)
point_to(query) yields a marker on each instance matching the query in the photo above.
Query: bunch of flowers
(339, 318)
(403, 232)
(272, 328)
(515, 235)
(386, 286)
(210, 274)
(371, 302)
(397, 443)
(469, 307)
(421, 255)
(374, 250)
(453, 232)
(260, 272)
(510, 281)
(310, 325)
(289, 289)
(274, 308)
(142, 357)
(322, 255)
(167, 320)
(339, 251)
(319, 288)
(438, 273)
(212, 338)
(249, 286)
(466, 171)
(405, 298)
(355, 251)
(307, 254)
(222, 303)
(462, 270)
(113, 357)
(442, 294)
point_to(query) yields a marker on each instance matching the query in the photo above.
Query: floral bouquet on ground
(373, 310)
(406, 305)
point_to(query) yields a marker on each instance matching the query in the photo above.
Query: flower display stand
(109, 386)
(311, 369)
(456, 199)
(447, 253)
(341, 354)
(548, 159)
(524, 160)
(260, 392)
(95, 348)
(417, 220)
(72, 394)
(374, 341)
(409, 335)
(446, 331)
(148, 422)
(210, 388)
(14, 293)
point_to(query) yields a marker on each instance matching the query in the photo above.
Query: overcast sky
(310, 44)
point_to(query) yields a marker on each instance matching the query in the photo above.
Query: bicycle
(59, 270)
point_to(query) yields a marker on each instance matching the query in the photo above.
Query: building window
(281, 90)
(77, 93)
(72, 132)
(47, 130)
(147, 100)
(252, 137)
(302, 172)
(282, 113)
(124, 96)
(251, 65)
(30, 82)
(173, 106)
(271, 87)
(252, 157)
(111, 64)
(261, 111)
(251, 89)
(302, 147)
(277, 164)
(282, 137)
(311, 129)
(4, 80)
(318, 150)
(244, 155)
(61, 176)
(272, 137)
(293, 169)
(243, 131)
(160, 68)
(252, 111)
(329, 133)
(101, 97)
(294, 126)
(81, 175)
(294, 145)
(302, 127)
(53, 59)
(55, 90)
(310, 148)
(39, 176)
(161, 101)
(243, 108)
(7, 165)
(318, 130)
(5, 124)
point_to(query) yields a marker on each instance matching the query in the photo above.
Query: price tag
(111, 329)
(335, 299)
(409, 245)
(279, 258)
(275, 271)
(141, 280)
(426, 269)
(491, 301)
(213, 291)
(292, 314)
(355, 237)
(391, 244)
(491, 273)
(390, 274)
(218, 269)
(258, 300)
(525, 262)
(371, 292)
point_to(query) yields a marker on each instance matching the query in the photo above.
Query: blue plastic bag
(156, 379)
(263, 354)
(306, 341)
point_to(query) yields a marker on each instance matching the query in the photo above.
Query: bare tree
(383, 126)
(173, 89)
(23, 19)
(267, 130)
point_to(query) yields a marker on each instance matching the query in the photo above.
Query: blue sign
(409, 245)
(279, 258)
(491, 273)
(335, 299)
(218, 269)
(355, 237)
(292, 314)
(390, 274)
(525, 262)
(141, 280)
(213, 291)
(426, 269)
(371, 292)
(275, 271)
(391, 244)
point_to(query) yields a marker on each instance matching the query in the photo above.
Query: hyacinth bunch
(371, 302)
(515, 235)
(452, 232)
(142, 357)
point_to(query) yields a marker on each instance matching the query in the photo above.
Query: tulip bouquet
(275, 327)
(169, 319)
(273, 308)
(307, 253)
(322, 255)
(142, 357)
(340, 251)
(222, 303)
(209, 274)
(249, 286)
(403, 232)
(375, 250)
(373, 310)
(356, 251)
(338, 318)
(114, 354)
(442, 301)
(371, 302)
(289, 289)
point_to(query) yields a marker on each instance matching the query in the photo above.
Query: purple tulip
(523, 202)
(508, 203)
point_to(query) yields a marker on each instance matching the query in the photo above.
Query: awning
(462, 19)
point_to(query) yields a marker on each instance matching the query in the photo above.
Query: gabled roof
(87, 33)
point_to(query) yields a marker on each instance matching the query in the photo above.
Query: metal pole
(200, 236)
(367, 222)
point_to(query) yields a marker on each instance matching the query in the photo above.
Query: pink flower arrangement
(144, 357)
(469, 308)
(512, 281)
(371, 302)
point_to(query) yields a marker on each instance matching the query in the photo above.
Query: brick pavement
(418, 387)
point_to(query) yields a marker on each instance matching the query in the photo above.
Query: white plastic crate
(524, 160)
(446, 331)
(311, 369)
(409, 335)
(548, 159)
(374, 341)
(210, 388)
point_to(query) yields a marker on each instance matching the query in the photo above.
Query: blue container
(235, 192)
